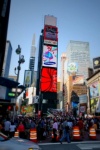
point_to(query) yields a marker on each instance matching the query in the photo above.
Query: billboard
(27, 78)
(78, 79)
(96, 63)
(49, 56)
(83, 99)
(50, 42)
(82, 109)
(94, 104)
(72, 67)
(48, 81)
(50, 33)
(95, 89)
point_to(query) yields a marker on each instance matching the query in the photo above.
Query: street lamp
(20, 61)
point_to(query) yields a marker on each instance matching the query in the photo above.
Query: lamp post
(20, 61)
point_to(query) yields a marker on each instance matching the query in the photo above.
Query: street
(90, 145)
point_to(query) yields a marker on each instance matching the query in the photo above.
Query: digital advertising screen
(50, 33)
(48, 81)
(49, 56)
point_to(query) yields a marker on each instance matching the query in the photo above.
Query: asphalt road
(72, 146)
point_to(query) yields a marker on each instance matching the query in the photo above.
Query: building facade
(4, 19)
(79, 52)
(7, 60)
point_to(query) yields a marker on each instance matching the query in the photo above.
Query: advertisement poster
(78, 79)
(27, 78)
(49, 56)
(96, 63)
(95, 89)
(83, 109)
(94, 104)
(48, 82)
(72, 67)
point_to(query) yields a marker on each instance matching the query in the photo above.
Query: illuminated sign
(50, 42)
(50, 33)
(48, 80)
(96, 63)
(11, 94)
(49, 56)
(72, 67)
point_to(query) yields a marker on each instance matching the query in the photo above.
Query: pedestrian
(66, 134)
(21, 130)
(55, 128)
(7, 124)
(12, 129)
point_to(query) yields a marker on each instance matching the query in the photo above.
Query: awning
(8, 82)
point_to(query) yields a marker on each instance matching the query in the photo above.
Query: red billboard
(51, 33)
(48, 82)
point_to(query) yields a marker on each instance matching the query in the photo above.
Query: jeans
(65, 136)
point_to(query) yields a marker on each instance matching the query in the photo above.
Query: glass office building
(79, 52)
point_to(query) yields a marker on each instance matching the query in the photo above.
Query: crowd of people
(46, 126)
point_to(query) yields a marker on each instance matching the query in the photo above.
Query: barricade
(33, 135)
(16, 134)
(92, 134)
(76, 133)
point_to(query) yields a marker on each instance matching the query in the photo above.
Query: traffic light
(10, 108)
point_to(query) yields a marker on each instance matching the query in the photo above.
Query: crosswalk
(88, 146)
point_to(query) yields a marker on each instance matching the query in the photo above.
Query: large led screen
(49, 56)
(48, 82)
(50, 33)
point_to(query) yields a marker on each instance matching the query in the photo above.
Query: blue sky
(77, 20)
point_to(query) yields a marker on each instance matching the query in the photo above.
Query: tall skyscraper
(7, 60)
(32, 55)
(47, 63)
(63, 72)
(79, 52)
(4, 18)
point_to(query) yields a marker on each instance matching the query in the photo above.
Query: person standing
(12, 129)
(55, 128)
(21, 130)
(7, 124)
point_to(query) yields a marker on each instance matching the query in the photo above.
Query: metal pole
(14, 113)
